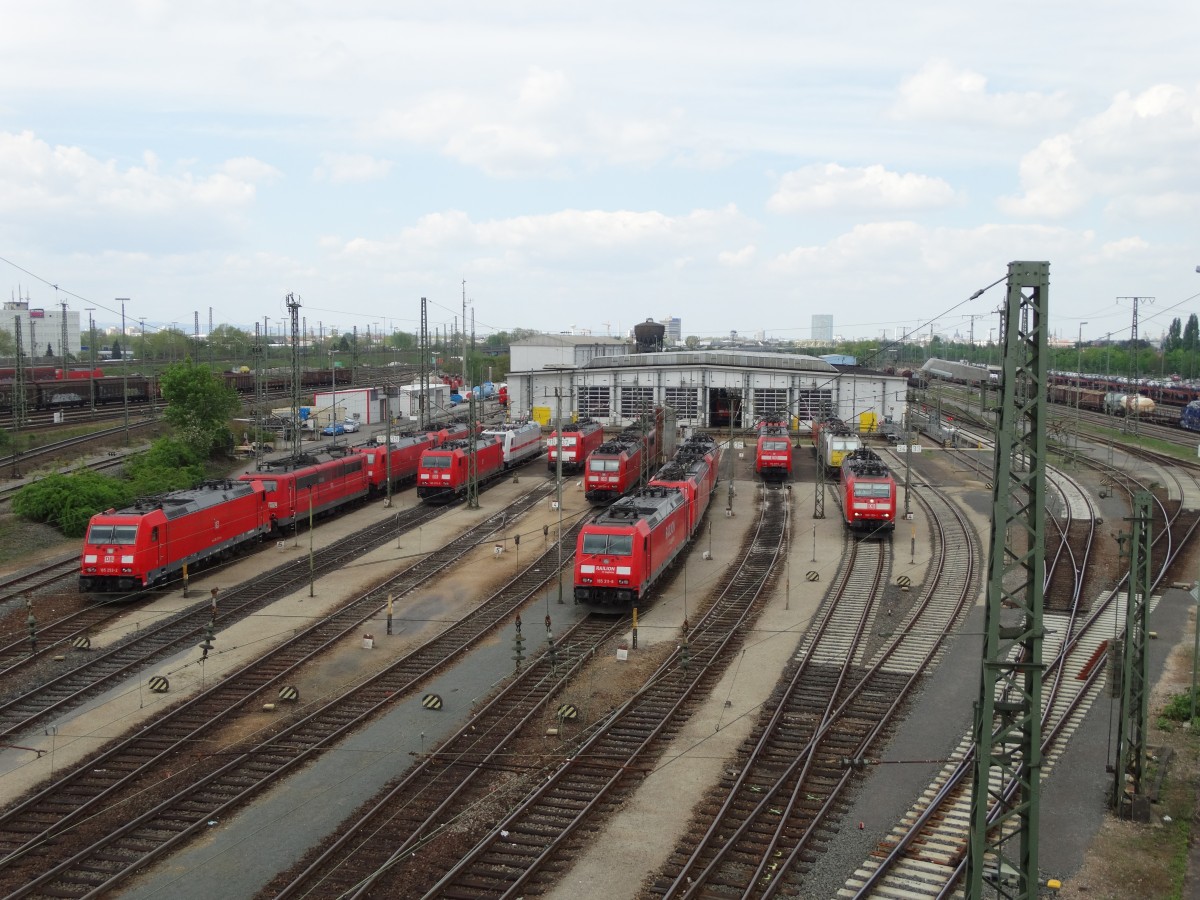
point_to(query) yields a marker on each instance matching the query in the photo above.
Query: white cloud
(568, 238)
(345, 168)
(1137, 158)
(48, 191)
(737, 258)
(871, 188)
(536, 126)
(905, 249)
(940, 92)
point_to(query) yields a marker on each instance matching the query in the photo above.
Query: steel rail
(609, 755)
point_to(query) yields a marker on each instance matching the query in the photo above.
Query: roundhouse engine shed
(605, 380)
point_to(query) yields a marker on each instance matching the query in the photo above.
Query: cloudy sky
(741, 166)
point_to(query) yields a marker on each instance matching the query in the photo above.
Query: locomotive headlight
(623, 581)
(586, 580)
(126, 571)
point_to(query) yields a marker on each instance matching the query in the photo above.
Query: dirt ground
(25, 543)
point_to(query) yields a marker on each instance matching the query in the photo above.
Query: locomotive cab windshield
(608, 544)
(112, 534)
(872, 489)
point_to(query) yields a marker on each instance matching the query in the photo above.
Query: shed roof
(734, 359)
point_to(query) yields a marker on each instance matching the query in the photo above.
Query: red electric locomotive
(577, 440)
(397, 460)
(309, 486)
(615, 467)
(444, 471)
(146, 543)
(622, 552)
(692, 471)
(868, 492)
(773, 455)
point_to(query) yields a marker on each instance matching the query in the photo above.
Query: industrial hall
(614, 381)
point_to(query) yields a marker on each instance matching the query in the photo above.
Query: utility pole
(558, 479)
(293, 305)
(1132, 415)
(62, 341)
(1003, 844)
(256, 353)
(1127, 796)
(18, 398)
(472, 458)
(92, 357)
(124, 368)
(423, 343)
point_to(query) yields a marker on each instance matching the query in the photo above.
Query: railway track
(102, 668)
(926, 855)
(763, 834)
(523, 853)
(51, 841)
(447, 784)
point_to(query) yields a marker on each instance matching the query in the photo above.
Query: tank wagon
(1121, 404)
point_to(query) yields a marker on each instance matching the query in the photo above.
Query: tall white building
(41, 329)
(822, 328)
(674, 326)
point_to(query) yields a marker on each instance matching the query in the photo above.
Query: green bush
(69, 501)
(1179, 708)
(169, 465)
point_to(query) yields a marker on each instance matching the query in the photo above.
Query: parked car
(347, 427)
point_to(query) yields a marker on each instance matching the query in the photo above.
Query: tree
(116, 350)
(402, 340)
(691, 342)
(1173, 340)
(8, 344)
(199, 405)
